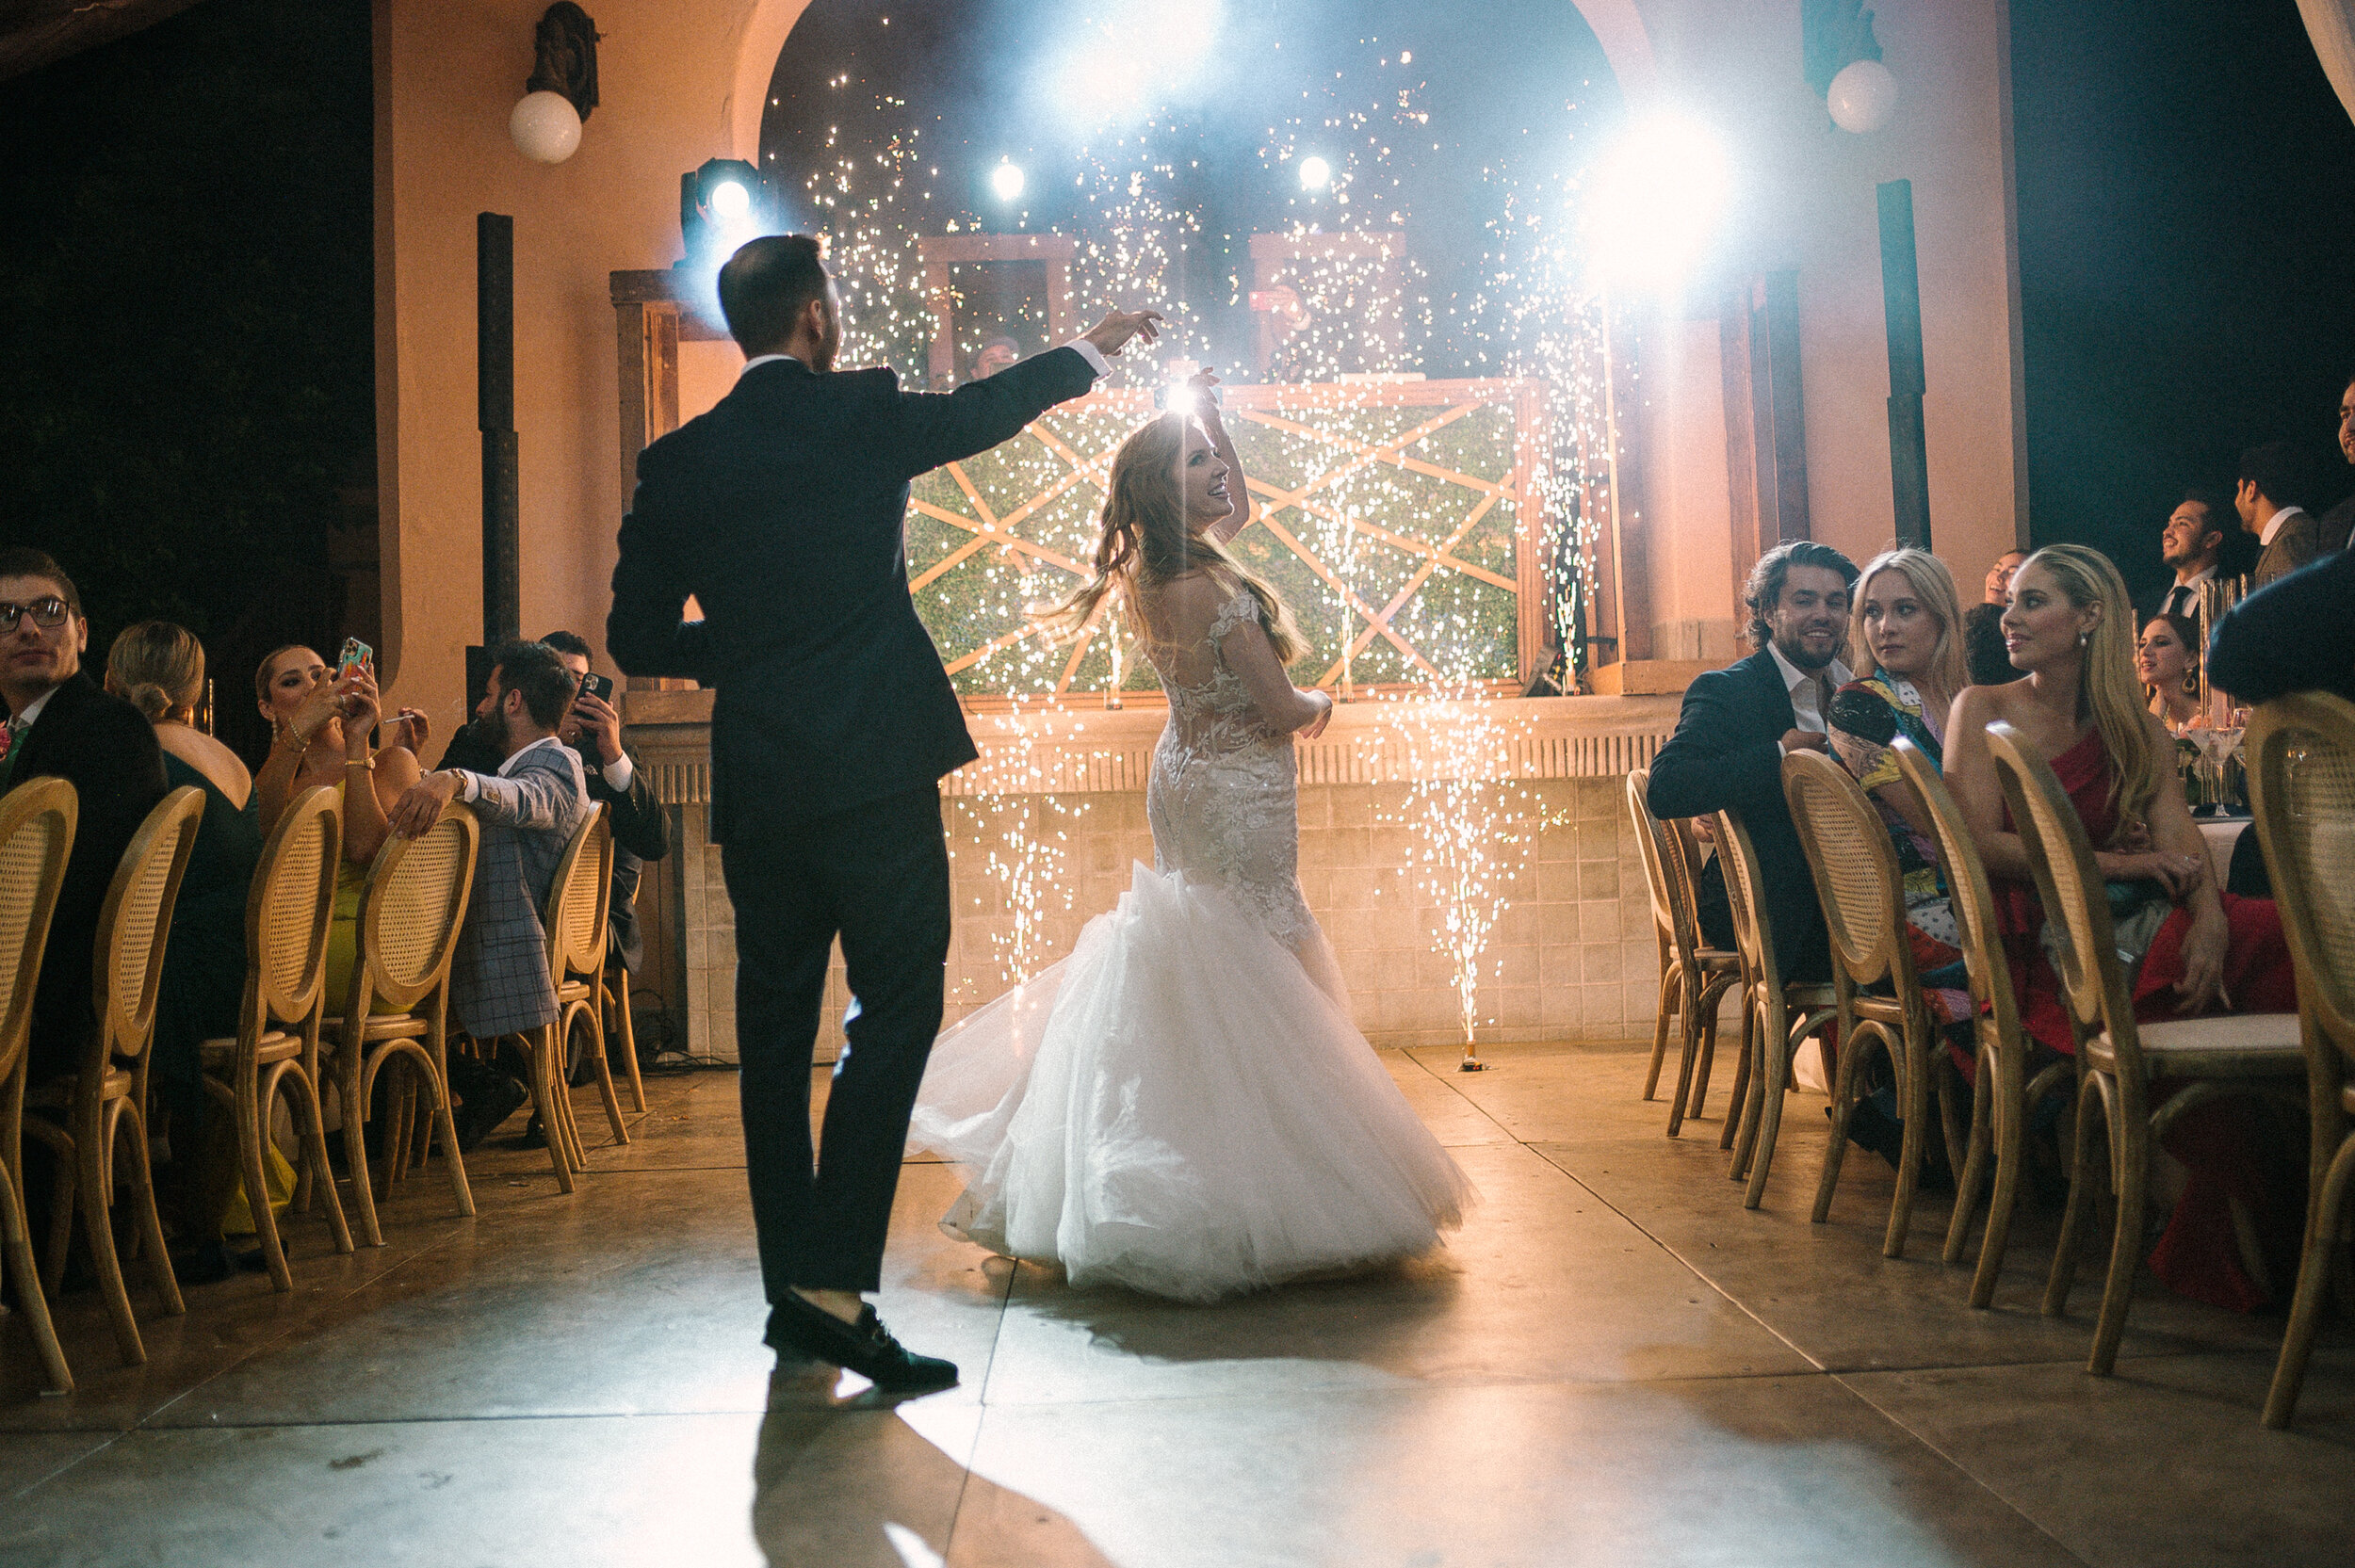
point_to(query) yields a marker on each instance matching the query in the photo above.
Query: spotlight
(722, 205)
(1315, 173)
(1654, 200)
(1006, 181)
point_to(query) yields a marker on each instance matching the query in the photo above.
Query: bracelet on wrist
(367, 763)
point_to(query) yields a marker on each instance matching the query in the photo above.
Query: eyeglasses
(45, 613)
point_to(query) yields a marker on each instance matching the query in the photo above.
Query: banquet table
(2221, 833)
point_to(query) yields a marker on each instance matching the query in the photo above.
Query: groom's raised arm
(931, 428)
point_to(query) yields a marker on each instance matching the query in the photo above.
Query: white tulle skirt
(1179, 1108)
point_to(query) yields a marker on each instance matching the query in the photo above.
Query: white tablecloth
(2221, 833)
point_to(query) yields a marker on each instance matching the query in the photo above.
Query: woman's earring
(2083, 637)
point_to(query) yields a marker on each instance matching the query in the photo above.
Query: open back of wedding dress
(1182, 1105)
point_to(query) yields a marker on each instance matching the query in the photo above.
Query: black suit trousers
(877, 875)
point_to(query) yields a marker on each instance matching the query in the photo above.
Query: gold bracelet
(368, 763)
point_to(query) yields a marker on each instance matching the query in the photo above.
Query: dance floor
(1613, 1364)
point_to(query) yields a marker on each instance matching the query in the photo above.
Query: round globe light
(546, 126)
(1315, 173)
(1006, 181)
(1863, 97)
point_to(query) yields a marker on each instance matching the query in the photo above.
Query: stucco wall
(681, 82)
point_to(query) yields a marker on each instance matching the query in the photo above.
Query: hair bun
(152, 701)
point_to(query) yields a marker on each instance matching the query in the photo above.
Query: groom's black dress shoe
(865, 1347)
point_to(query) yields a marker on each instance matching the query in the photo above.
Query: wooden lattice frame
(1279, 508)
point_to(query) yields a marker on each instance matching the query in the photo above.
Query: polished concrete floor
(1612, 1364)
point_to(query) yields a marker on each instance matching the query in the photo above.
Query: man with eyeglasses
(62, 723)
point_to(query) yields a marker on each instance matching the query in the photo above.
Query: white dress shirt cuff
(618, 773)
(1089, 352)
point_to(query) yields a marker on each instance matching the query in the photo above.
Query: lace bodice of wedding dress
(1222, 799)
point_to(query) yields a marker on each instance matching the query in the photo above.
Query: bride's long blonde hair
(1145, 541)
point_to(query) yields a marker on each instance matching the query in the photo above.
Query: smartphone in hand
(600, 687)
(356, 656)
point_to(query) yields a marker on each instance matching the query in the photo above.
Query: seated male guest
(1982, 625)
(1739, 722)
(593, 727)
(529, 808)
(62, 723)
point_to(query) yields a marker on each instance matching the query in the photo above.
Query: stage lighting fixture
(1315, 173)
(1654, 201)
(1006, 181)
(722, 205)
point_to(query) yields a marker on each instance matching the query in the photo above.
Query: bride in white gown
(1182, 1105)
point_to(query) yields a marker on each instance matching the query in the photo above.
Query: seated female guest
(2166, 661)
(1910, 666)
(2070, 627)
(159, 669)
(321, 730)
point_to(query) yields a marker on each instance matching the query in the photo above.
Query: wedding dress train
(1182, 1105)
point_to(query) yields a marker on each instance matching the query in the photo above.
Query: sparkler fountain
(1390, 510)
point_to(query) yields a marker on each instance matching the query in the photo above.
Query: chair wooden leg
(1712, 998)
(1835, 1152)
(350, 1070)
(98, 1234)
(2314, 1278)
(605, 1076)
(539, 1047)
(149, 1218)
(314, 1142)
(1737, 1100)
(1671, 984)
(252, 1128)
(2132, 1161)
(1769, 1093)
(65, 1188)
(17, 1239)
(1688, 1059)
(1913, 1081)
(2090, 1104)
(1974, 1164)
(629, 1043)
(439, 1083)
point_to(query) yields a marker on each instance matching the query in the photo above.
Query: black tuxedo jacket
(1726, 755)
(783, 513)
(103, 747)
(2297, 634)
(640, 831)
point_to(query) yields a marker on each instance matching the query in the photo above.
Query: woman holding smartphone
(322, 723)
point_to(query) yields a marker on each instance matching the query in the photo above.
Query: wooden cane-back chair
(37, 820)
(1662, 918)
(578, 967)
(106, 1094)
(1783, 1013)
(2116, 1059)
(397, 1007)
(1862, 894)
(1704, 973)
(277, 1043)
(564, 924)
(2003, 1091)
(2301, 780)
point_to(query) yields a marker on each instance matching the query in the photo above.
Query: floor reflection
(850, 1477)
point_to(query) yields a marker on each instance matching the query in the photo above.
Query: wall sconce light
(562, 90)
(1843, 65)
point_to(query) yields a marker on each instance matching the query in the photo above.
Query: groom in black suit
(1738, 723)
(782, 513)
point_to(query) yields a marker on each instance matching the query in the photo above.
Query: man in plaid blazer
(530, 810)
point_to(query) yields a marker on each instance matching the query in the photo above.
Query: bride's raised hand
(1315, 727)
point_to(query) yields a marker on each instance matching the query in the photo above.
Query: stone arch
(1617, 25)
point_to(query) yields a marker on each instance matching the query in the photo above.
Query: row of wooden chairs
(394, 1015)
(2302, 777)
